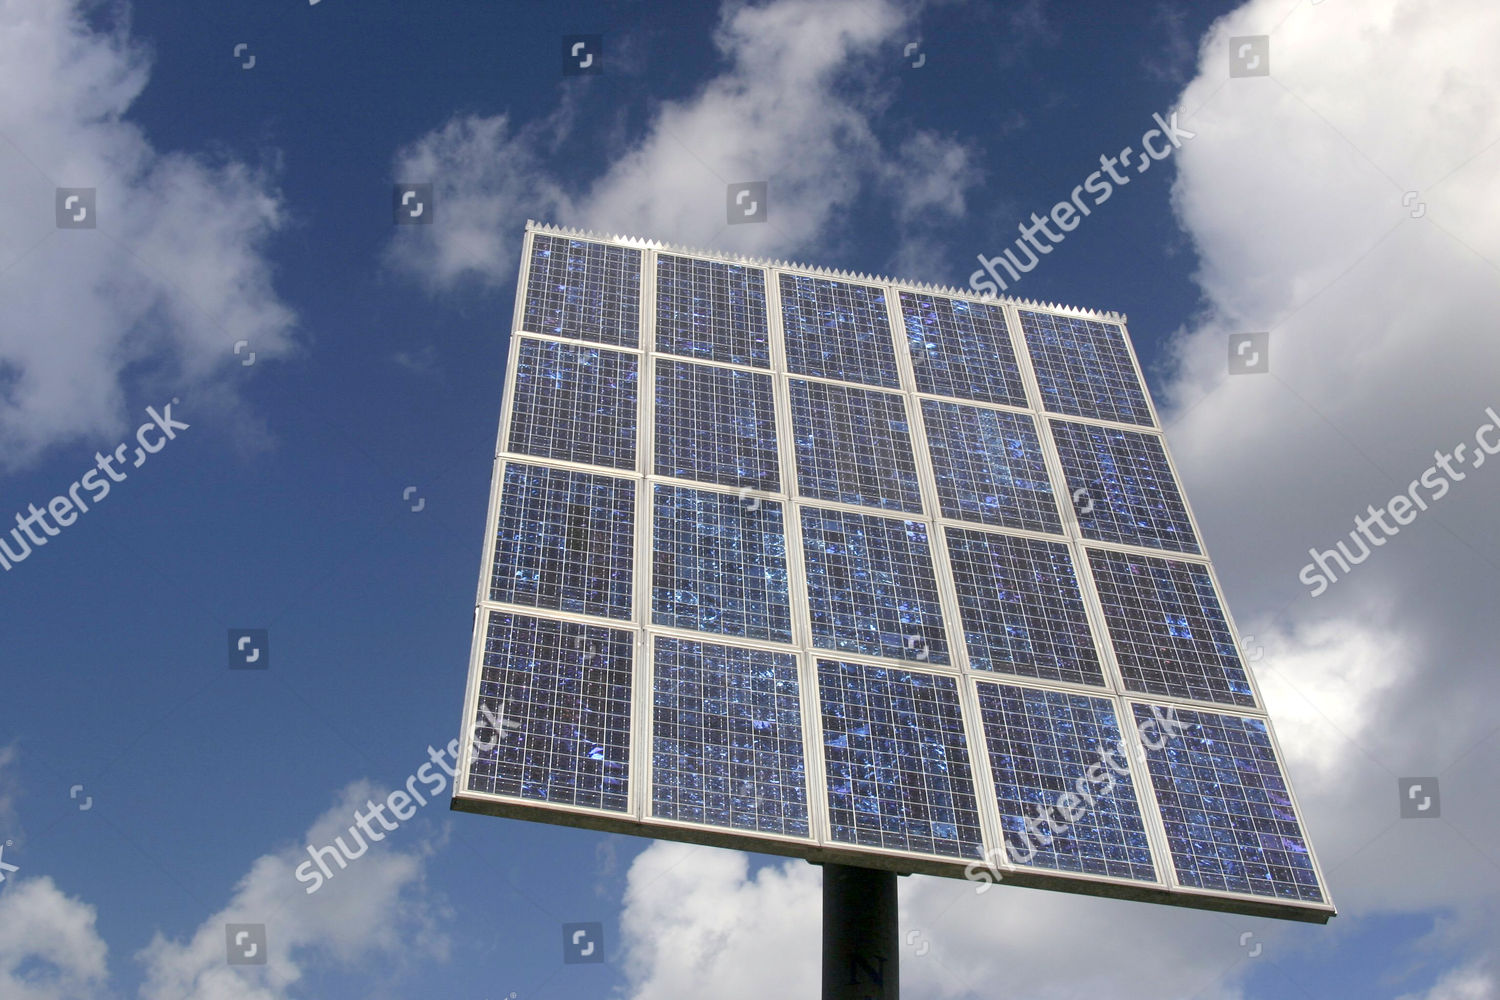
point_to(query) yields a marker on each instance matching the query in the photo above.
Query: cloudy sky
(236, 260)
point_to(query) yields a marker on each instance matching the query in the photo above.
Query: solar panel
(838, 329)
(1122, 487)
(1084, 368)
(854, 445)
(897, 760)
(961, 349)
(989, 467)
(574, 403)
(727, 738)
(718, 565)
(564, 540)
(830, 581)
(589, 291)
(553, 720)
(1066, 791)
(1022, 608)
(871, 587)
(712, 310)
(715, 424)
(1230, 822)
(1169, 630)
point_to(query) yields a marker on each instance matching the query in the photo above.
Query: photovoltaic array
(868, 573)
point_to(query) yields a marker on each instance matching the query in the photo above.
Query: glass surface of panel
(1123, 489)
(854, 446)
(719, 564)
(871, 587)
(727, 738)
(1063, 782)
(1084, 368)
(1022, 608)
(717, 425)
(1230, 821)
(897, 761)
(961, 349)
(574, 403)
(838, 329)
(565, 541)
(589, 291)
(712, 310)
(553, 719)
(989, 467)
(1168, 628)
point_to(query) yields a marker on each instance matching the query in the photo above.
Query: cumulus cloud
(154, 298)
(50, 950)
(1468, 983)
(379, 905)
(796, 106)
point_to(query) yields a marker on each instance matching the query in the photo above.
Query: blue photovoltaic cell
(1123, 489)
(564, 541)
(854, 446)
(1169, 631)
(591, 291)
(897, 761)
(1084, 368)
(712, 310)
(837, 330)
(727, 738)
(1054, 756)
(719, 564)
(1229, 817)
(961, 349)
(1022, 609)
(715, 424)
(989, 467)
(574, 403)
(871, 587)
(553, 721)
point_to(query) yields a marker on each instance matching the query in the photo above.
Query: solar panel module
(870, 573)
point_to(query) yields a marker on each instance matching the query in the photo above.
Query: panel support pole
(861, 960)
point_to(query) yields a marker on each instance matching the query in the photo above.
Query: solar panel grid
(574, 403)
(838, 329)
(712, 310)
(1084, 369)
(989, 467)
(727, 738)
(717, 425)
(854, 446)
(1045, 745)
(961, 349)
(1123, 488)
(586, 290)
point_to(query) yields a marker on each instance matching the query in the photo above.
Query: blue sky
(254, 204)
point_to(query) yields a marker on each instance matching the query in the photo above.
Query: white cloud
(172, 277)
(1468, 983)
(49, 949)
(804, 84)
(377, 906)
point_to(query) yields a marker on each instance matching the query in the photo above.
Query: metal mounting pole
(860, 935)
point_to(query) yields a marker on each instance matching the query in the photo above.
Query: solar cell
(854, 446)
(961, 349)
(897, 761)
(590, 291)
(565, 541)
(719, 564)
(989, 467)
(838, 329)
(727, 738)
(1123, 489)
(1063, 782)
(1169, 631)
(1022, 609)
(553, 717)
(712, 310)
(1084, 369)
(870, 586)
(574, 403)
(715, 424)
(1229, 817)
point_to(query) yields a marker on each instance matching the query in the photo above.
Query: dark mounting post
(861, 960)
